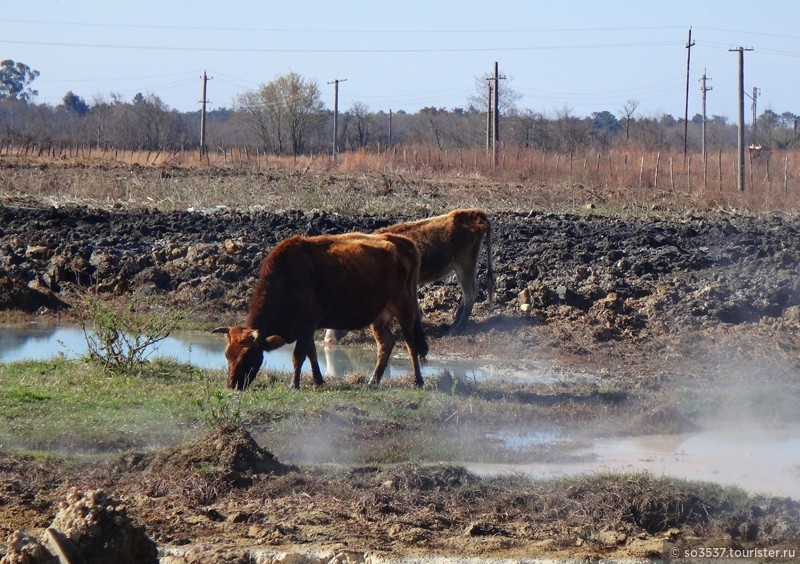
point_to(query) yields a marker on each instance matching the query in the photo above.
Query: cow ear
(273, 342)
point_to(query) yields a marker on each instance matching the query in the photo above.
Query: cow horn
(220, 330)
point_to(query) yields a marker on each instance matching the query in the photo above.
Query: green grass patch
(75, 406)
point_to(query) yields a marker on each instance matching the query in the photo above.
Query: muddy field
(656, 303)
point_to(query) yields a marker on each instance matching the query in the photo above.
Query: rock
(232, 246)
(38, 252)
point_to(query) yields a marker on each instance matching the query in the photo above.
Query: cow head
(245, 353)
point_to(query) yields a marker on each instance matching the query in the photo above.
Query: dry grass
(414, 177)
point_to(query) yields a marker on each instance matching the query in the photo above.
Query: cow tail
(489, 271)
(420, 342)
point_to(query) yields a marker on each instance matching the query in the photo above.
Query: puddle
(520, 441)
(765, 461)
(206, 351)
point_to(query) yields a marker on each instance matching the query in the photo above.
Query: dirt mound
(227, 455)
(28, 298)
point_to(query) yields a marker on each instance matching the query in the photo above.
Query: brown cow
(448, 243)
(339, 281)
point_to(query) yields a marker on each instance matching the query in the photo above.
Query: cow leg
(415, 342)
(469, 292)
(381, 330)
(302, 349)
(315, 371)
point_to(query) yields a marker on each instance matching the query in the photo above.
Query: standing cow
(339, 281)
(448, 243)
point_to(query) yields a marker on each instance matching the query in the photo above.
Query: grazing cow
(447, 243)
(339, 281)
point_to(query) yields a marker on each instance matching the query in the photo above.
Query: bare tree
(571, 131)
(283, 112)
(153, 120)
(356, 126)
(507, 98)
(627, 114)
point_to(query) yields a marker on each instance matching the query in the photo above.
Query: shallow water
(760, 460)
(207, 351)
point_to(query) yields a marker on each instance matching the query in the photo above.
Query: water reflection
(207, 351)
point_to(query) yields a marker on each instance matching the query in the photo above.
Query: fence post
(641, 171)
(688, 174)
(658, 162)
(671, 175)
(786, 175)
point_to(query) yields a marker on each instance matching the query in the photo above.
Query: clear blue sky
(584, 56)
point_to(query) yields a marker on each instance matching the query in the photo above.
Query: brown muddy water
(760, 460)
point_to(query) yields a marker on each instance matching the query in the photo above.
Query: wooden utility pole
(390, 127)
(203, 103)
(741, 50)
(689, 45)
(494, 116)
(704, 88)
(336, 115)
(496, 122)
(489, 119)
(756, 92)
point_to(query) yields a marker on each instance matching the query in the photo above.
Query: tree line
(287, 117)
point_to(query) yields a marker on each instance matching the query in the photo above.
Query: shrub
(120, 338)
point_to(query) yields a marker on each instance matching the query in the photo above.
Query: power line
(206, 49)
(334, 30)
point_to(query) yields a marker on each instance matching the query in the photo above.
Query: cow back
(444, 240)
(334, 281)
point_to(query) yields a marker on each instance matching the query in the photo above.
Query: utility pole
(756, 92)
(489, 119)
(390, 127)
(741, 51)
(689, 45)
(704, 88)
(203, 103)
(496, 78)
(336, 115)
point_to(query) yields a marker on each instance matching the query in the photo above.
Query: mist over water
(761, 460)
